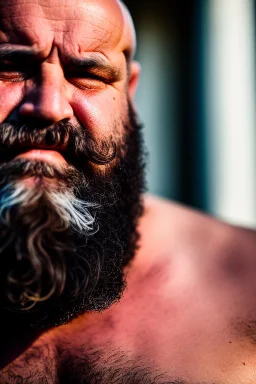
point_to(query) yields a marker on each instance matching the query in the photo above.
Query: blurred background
(197, 102)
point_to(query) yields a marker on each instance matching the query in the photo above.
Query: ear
(135, 69)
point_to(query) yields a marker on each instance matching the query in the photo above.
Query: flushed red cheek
(10, 97)
(98, 113)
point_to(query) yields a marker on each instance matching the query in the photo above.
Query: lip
(50, 156)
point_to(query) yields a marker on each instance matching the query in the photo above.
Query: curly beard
(66, 237)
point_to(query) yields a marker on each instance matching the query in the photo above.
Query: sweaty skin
(188, 313)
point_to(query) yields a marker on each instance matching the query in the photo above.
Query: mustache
(75, 143)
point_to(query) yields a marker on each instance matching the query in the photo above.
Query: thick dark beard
(79, 272)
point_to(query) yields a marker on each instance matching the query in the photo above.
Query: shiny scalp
(129, 32)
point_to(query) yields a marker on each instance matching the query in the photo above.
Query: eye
(87, 80)
(12, 73)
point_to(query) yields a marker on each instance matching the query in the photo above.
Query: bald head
(129, 30)
(111, 18)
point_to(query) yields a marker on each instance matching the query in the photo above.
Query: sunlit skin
(55, 46)
(189, 306)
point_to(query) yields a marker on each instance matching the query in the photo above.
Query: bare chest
(119, 364)
(138, 358)
(149, 337)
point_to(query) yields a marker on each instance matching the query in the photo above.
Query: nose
(45, 97)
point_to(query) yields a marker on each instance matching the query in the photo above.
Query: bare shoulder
(199, 272)
(183, 226)
(180, 237)
(198, 248)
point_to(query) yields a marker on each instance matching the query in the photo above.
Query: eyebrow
(16, 54)
(86, 64)
(94, 65)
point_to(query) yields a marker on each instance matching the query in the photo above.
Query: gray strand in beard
(59, 210)
(46, 257)
(35, 223)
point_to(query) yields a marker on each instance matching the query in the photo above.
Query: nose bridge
(46, 97)
(50, 88)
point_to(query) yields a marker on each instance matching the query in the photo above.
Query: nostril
(26, 109)
(34, 122)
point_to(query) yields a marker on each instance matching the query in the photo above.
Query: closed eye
(13, 72)
(88, 75)
(88, 80)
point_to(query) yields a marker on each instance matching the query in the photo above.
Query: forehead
(73, 25)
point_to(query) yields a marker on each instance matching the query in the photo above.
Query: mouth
(52, 157)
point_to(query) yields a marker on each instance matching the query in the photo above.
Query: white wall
(231, 110)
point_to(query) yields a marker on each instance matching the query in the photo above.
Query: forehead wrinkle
(101, 17)
(92, 14)
(101, 26)
(87, 21)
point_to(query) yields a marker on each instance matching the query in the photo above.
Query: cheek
(98, 112)
(10, 97)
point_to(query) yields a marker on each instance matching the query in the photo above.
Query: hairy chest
(149, 337)
(145, 359)
(157, 344)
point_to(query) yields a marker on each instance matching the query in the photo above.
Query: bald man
(99, 282)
